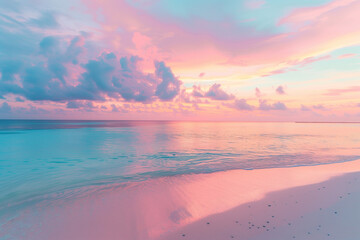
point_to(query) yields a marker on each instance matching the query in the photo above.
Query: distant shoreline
(326, 122)
(155, 120)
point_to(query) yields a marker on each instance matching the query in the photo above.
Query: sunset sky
(252, 60)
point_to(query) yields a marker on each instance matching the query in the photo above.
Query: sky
(206, 60)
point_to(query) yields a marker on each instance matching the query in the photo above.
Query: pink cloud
(168, 40)
(203, 44)
(258, 93)
(303, 41)
(297, 64)
(279, 71)
(303, 15)
(336, 92)
(309, 60)
(348, 55)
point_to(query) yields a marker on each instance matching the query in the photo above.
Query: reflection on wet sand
(230, 204)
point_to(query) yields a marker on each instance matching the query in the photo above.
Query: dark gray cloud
(280, 90)
(118, 109)
(108, 77)
(241, 105)
(5, 108)
(169, 86)
(305, 108)
(32, 110)
(19, 99)
(197, 92)
(79, 104)
(216, 93)
(264, 106)
(47, 77)
(42, 66)
(319, 107)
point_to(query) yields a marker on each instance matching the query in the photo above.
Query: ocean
(40, 159)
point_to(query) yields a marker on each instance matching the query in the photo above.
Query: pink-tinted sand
(310, 202)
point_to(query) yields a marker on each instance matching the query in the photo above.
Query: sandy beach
(327, 209)
(309, 202)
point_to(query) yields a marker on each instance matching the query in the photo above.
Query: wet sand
(310, 202)
(326, 210)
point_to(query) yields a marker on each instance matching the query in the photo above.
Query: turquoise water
(38, 158)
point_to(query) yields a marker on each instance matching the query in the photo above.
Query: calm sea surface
(38, 158)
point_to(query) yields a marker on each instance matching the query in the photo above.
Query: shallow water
(38, 158)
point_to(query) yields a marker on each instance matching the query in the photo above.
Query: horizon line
(169, 120)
